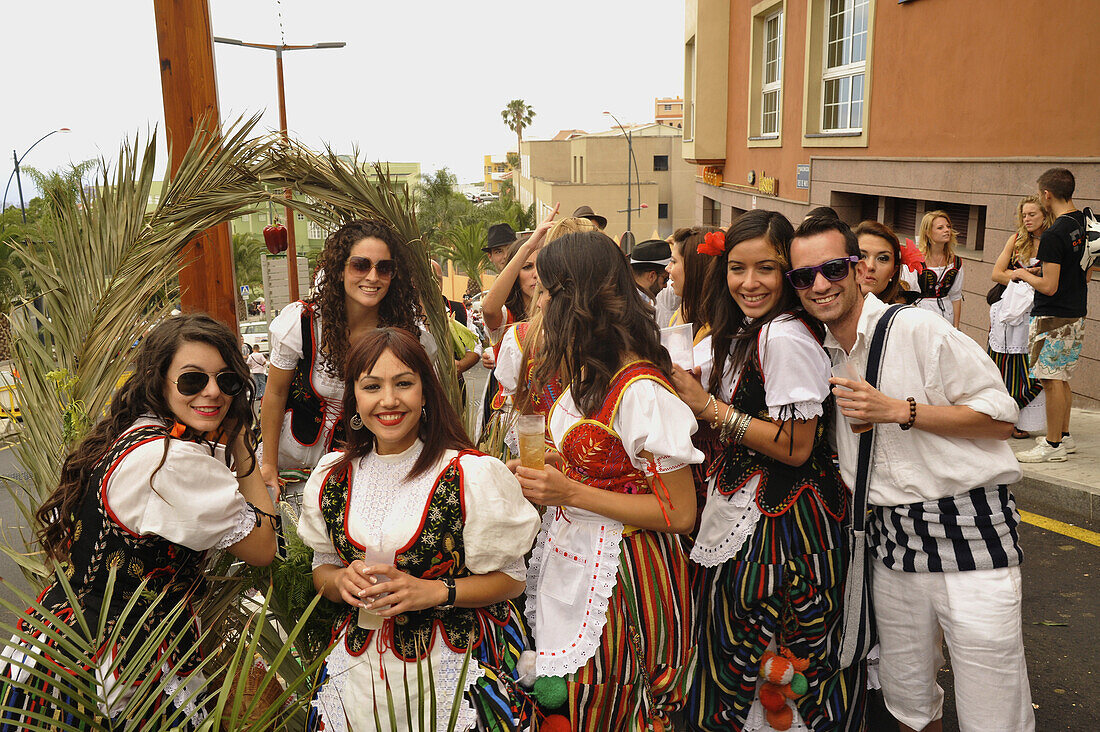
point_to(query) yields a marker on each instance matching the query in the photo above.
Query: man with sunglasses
(942, 535)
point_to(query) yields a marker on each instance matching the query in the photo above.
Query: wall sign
(802, 175)
(712, 175)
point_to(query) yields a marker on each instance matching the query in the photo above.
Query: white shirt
(934, 363)
(941, 306)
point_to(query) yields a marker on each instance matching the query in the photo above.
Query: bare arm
(258, 548)
(859, 400)
(1047, 283)
(550, 487)
(493, 304)
(957, 311)
(1001, 274)
(272, 412)
(464, 364)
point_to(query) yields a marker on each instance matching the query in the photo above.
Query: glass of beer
(531, 430)
(845, 369)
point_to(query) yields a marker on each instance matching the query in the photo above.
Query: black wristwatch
(449, 583)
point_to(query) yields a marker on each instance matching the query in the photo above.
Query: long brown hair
(440, 428)
(732, 336)
(595, 318)
(892, 292)
(696, 266)
(400, 307)
(143, 394)
(516, 303)
(1026, 242)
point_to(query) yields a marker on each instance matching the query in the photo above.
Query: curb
(1064, 499)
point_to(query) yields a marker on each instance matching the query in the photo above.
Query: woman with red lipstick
(423, 540)
(169, 475)
(880, 252)
(771, 536)
(365, 283)
(607, 592)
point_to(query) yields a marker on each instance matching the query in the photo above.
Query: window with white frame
(316, 231)
(772, 74)
(845, 64)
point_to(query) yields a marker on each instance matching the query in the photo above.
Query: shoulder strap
(867, 439)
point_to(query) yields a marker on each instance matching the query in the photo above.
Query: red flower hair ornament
(714, 244)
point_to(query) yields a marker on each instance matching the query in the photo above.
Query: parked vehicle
(255, 333)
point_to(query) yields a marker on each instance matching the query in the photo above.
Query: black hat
(651, 253)
(500, 235)
(586, 212)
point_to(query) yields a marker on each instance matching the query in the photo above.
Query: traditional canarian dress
(1008, 345)
(939, 287)
(312, 423)
(773, 542)
(510, 371)
(465, 515)
(154, 522)
(610, 605)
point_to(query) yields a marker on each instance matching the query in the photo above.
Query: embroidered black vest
(780, 484)
(930, 286)
(305, 408)
(436, 551)
(99, 542)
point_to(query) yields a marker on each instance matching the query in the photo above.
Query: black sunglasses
(834, 270)
(362, 265)
(191, 383)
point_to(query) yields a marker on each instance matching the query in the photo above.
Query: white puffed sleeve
(796, 370)
(431, 345)
(500, 523)
(956, 291)
(653, 419)
(509, 362)
(193, 499)
(311, 525)
(285, 337)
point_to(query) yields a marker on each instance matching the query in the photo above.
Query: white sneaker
(1043, 452)
(1067, 442)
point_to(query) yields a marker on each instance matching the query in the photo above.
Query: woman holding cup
(423, 539)
(771, 534)
(607, 591)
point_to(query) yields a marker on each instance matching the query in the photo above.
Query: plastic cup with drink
(847, 370)
(531, 431)
(369, 619)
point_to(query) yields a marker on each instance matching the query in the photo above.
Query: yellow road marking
(1073, 532)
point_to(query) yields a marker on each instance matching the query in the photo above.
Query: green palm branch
(462, 247)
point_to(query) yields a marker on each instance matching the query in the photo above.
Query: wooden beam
(188, 85)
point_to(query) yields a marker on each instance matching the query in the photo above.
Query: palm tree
(517, 115)
(461, 246)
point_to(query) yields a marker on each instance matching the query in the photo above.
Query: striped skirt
(787, 585)
(640, 673)
(1014, 371)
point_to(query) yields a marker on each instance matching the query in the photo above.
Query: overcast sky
(420, 80)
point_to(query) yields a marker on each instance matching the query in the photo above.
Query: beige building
(590, 169)
(669, 111)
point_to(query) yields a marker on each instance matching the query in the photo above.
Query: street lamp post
(15, 173)
(278, 48)
(629, 236)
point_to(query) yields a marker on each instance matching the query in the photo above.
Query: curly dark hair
(732, 337)
(595, 318)
(143, 394)
(442, 429)
(400, 308)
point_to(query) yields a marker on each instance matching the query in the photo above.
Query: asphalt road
(1061, 606)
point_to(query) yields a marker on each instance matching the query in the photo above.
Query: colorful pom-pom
(772, 697)
(782, 719)
(550, 691)
(799, 685)
(555, 723)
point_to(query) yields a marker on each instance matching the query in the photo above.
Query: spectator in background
(257, 366)
(501, 238)
(1008, 315)
(940, 281)
(466, 345)
(648, 261)
(1057, 329)
(880, 252)
(586, 212)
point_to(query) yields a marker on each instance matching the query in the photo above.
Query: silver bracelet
(742, 428)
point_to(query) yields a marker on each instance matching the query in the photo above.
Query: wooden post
(186, 47)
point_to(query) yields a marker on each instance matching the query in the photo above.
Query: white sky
(420, 80)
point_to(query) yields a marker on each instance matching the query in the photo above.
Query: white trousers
(979, 615)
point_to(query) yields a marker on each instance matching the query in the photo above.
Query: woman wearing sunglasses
(771, 533)
(421, 539)
(167, 476)
(365, 283)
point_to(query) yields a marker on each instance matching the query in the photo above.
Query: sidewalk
(1069, 490)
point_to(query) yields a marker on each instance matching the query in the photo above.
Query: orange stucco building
(886, 110)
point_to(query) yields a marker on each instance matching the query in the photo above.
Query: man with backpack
(1057, 328)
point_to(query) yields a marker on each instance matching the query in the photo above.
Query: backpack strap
(866, 440)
